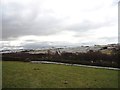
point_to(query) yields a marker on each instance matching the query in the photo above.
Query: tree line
(89, 58)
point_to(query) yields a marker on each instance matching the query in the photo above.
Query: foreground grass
(0, 75)
(28, 75)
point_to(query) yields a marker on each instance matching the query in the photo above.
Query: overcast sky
(37, 23)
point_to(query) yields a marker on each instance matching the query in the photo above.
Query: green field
(29, 75)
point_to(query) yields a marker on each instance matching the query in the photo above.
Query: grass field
(0, 75)
(29, 75)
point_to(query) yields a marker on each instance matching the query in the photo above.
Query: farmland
(28, 75)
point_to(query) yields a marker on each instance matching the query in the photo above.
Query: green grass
(29, 75)
(0, 75)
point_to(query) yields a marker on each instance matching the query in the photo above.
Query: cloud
(16, 29)
(73, 21)
(19, 20)
(89, 25)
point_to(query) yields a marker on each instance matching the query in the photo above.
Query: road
(48, 62)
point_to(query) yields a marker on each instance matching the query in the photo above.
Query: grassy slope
(0, 75)
(25, 75)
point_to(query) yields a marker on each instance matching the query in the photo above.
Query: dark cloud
(24, 18)
(15, 28)
(46, 25)
(17, 22)
(20, 20)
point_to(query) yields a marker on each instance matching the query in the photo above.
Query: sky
(41, 23)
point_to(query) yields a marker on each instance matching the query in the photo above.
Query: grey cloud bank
(75, 19)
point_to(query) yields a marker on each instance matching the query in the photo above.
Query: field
(29, 75)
